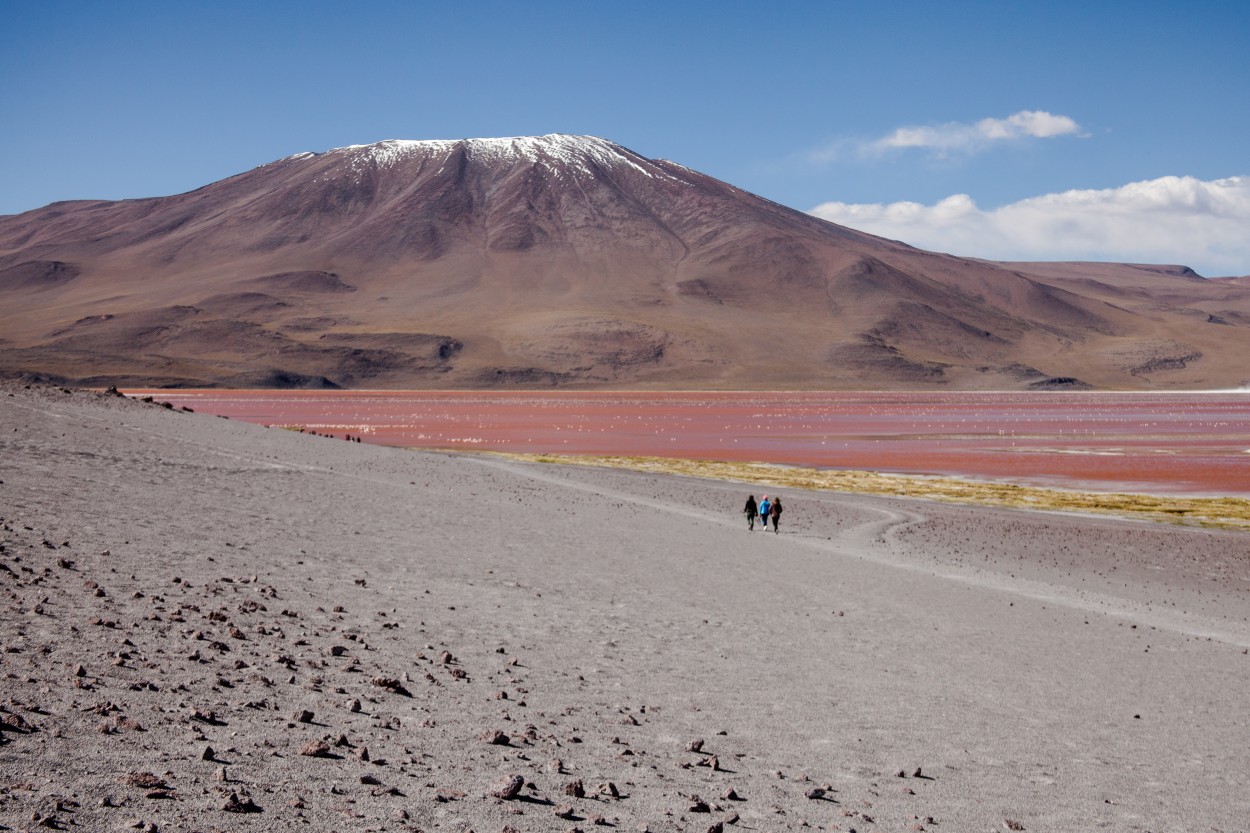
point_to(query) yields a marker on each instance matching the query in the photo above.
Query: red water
(1179, 443)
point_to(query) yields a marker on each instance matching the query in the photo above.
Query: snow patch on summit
(558, 153)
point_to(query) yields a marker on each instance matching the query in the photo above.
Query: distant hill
(565, 261)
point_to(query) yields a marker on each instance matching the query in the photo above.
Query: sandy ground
(208, 625)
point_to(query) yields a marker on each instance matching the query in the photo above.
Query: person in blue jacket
(765, 508)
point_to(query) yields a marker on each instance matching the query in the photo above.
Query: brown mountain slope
(557, 260)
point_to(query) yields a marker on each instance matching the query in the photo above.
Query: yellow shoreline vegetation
(1218, 512)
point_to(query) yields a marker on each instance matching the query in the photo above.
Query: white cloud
(1183, 220)
(960, 137)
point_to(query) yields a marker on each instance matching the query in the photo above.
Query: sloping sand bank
(191, 602)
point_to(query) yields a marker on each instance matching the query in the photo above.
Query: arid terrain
(565, 261)
(208, 625)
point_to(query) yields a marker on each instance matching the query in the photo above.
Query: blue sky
(1057, 130)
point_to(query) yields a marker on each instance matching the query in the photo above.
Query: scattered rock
(234, 804)
(495, 737)
(16, 723)
(316, 749)
(205, 716)
(510, 788)
(392, 685)
(144, 780)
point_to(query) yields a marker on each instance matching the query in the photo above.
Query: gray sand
(175, 582)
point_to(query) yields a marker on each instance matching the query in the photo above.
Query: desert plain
(209, 625)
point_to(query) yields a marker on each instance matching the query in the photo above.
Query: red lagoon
(1177, 443)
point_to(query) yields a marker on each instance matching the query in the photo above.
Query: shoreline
(1213, 512)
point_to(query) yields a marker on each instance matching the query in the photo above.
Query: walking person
(765, 508)
(751, 510)
(775, 513)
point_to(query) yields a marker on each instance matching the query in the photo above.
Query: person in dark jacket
(752, 510)
(775, 512)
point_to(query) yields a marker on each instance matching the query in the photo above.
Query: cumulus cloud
(959, 137)
(1182, 220)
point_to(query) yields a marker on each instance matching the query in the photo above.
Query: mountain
(564, 261)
